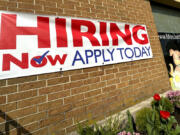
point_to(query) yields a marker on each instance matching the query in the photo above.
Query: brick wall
(53, 103)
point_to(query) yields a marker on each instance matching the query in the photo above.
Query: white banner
(36, 44)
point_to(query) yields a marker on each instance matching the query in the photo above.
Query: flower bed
(161, 119)
(174, 97)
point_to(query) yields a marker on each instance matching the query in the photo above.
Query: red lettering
(61, 32)
(114, 31)
(35, 64)
(77, 34)
(135, 36)
(9, 30)
(57, 58)
(103, 34)
(8, 58)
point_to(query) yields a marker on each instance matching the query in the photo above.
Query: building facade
(53, 103)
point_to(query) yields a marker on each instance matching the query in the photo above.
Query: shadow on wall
(11, 124)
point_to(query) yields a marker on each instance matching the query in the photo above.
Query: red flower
(156, 97)
(164, 114)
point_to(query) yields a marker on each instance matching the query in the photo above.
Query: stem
(167, 129)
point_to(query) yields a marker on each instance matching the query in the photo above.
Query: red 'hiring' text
(9, 31)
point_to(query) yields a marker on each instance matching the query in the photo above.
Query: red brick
(58, 80)
(97, 73)
(72, 72)
(123, 84)
(51, 9)
(21, 95)
(31, 101)
(50, 120)
(125, 79)
(94, 106)
(113, 70)
(58, 127)
(20, 10)
(71, 128)
(32, 127)
(8, 107)
(121, 74)
(50, 105)
(8, 4)
(8, 90)
(22, 112)
(93, 93)
(32, 118)
(32, 85)
(75, 112)
(2, 82)
(94, 99)
(39, 12)
(79, 77)
(57, 95)
(73, 99)
(109, 88)
(92, 69)
(41, 131)
(79, 90)
(29, 6)
(73, 84)
(97, 85)
(92, 80)
(2, 99)
(48, 75)
(61, 109)
(2, 119)
(21, 80)
(107, 77)
(26, 1)
(65, 6)
(46, 3)
(113, 81)
(51, 89)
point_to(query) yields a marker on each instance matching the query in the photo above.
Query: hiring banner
(36, 44)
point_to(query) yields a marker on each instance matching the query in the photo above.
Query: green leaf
(149, 129)
(149, 120)
(172, 118)
(154, 132)
(153, 116)
(177, 130)
(169, 125)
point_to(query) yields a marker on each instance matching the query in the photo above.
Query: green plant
(168, 127)
(168, 124)
(86, 129)
(141, 119)
(153, 123)
(163, 104)
(130, 126)
(112, 126)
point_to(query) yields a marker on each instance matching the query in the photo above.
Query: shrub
(141, 119)
(165, 104)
